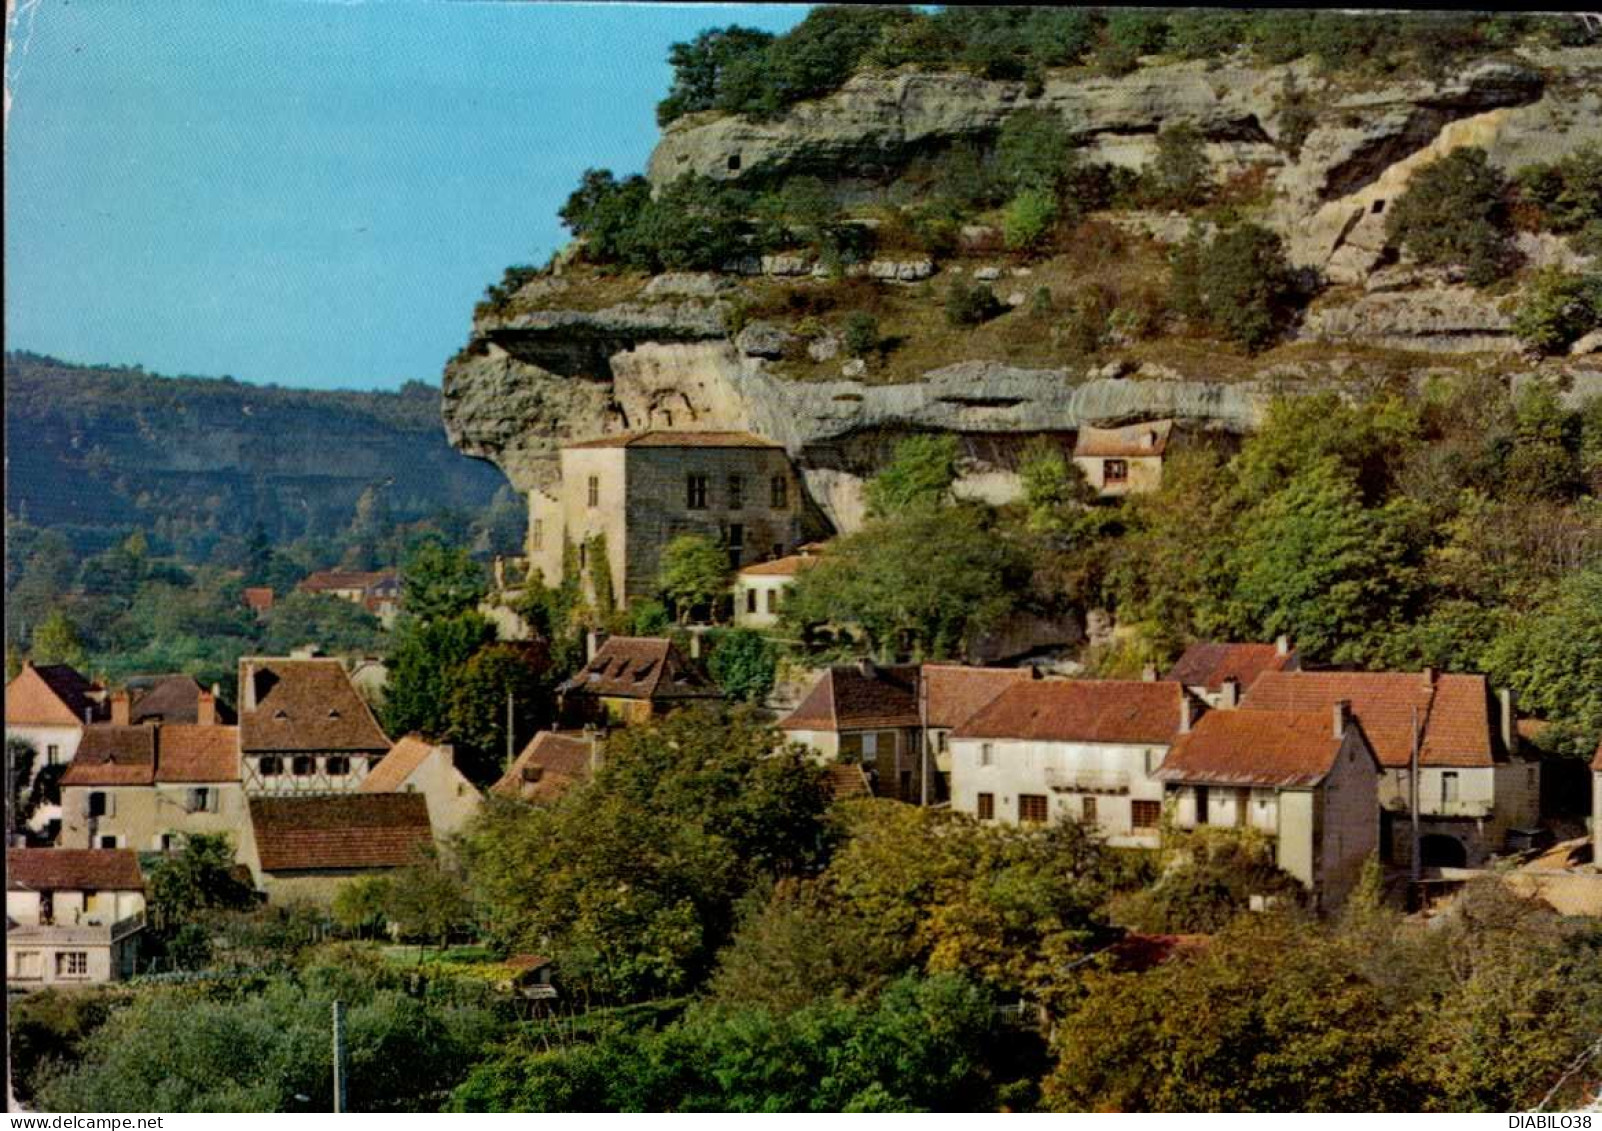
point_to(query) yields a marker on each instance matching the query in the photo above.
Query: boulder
(764, 339)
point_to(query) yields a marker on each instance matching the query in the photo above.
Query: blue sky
(308, 192)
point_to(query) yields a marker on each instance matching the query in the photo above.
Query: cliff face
(572, 356)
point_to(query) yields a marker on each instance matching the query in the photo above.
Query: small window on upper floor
(595, 490)
(304, 766)
(1115, 471)
(781, 493)
(537, 535)
(337, 764)
(987, 754)
(695, 492)
(736, 492)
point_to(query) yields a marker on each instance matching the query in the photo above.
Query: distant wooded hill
(95, 450)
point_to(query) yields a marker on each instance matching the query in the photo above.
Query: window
(270, 766)
(1115, 471)
(1154, 758)
(1146, 814)
(1201, 804)
(736, 544)
(781, 493)
(200, 800)
(736, 492)
(1087, 810)
(166, 842)
(1032, 808)
(906, 785)
(695, 492)
(52, 755)
(750, 600)
(97, 805)
(942, 741)
(987, 754)
(109, 842)
(1448, 787)
(72, 964)
(778, 550)
(1377, 207)
(1243, 798)
(987, 806)
(304, 765)
(773, 600)
(584, 556)
(337, 764)
(27, 964)
(595, 490)
(537, 538)
(734, 162)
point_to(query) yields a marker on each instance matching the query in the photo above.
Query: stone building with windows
(306, 848)
(634, 493)
(1123, 461)
(303, 727)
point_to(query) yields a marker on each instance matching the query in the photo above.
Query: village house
(144, 787)
(551, 764)
(1084, 750)
(953, 694)
(760, 588)
(631, 679)
(174, 699)
(415, 765)
(1473, 787)
(1308, 780)
(639, 491)
(303, 728)
(1212, 672)
(259, 600)
(306, 848)
(1123, 461)
(73, 917)
(47, 707)
(377, 591)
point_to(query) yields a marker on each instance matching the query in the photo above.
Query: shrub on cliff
(1454, 214)
(970, 306)
(1180, 175)
(1557, 309)
(1239, 283)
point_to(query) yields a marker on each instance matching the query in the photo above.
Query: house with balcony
(1079, 750)
(1473, 787)
(1218, 673)
(1123, 461)
(1307, 780)
(304, 729)
(73, 917)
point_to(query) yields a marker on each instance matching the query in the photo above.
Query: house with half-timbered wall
(303, 728)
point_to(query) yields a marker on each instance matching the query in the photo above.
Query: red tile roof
(188, 752)
(1454, 711)
(304, 705)
(550, 765)
(1273, 749)
(1137, 952)
(114, 755)
(1082, 710)
(73, 869)
(342, 832)
(666, 439)
(1146, 439)
(640, 667)
(402, 761)
(170, 699)
(853, 697)
(781, 567)
(259, 597)
(955, 694)
(326, 579)
(52, 695)
(1209, 665)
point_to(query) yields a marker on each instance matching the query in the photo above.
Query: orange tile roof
(1209, 665)
(781, 567)
(550, 765)
(640, 667)
(346, 579)
(1275, 749)
(848, 697)
(1082, 710)
(73, 869)
(1454, 711)
(400, 763)
(259, 597)
(1146, 439)
(666, 439)
(52, 695)
(342, 832)
(955, 694)
(304, 705)
(188, 752)
(114, 755)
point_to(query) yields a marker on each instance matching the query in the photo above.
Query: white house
(72, 916)
(1084, 750)
(415, 765)
(760, 588)
(47, 707)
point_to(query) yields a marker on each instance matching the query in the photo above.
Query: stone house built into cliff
(1473, 787)
(641, 490)
(1308, 780)
(1080, 750)
(73, 917)
(1126, 460)
(303, 727)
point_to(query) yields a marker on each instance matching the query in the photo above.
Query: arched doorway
(1439, 851)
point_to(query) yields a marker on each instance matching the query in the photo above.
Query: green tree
(425, 664)
(440, 582)
(361, 905)
(694, 575)
(1054, 488)
(862, 335)
(480, 690)
(699, 68)
(335, 625)
(919, 476)
(57, 641)
(1180, 174)
(1239, 283)
(1453, 214)
(1028, 220)
(427, 900)
(1552, 659)
(744, 663)
(1034, 155)
(1557, 309)
(20, 758)
(200, 877)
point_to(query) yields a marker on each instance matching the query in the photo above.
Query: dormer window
(333, 714)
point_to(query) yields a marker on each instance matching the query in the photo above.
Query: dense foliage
(1454, 214)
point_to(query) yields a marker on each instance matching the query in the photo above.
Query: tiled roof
(325, 579)
(1280, 749)
(781, 567)
(171, 699)
(1146, 439)
(114, 755)
(956, 694)
(345, 831)
(850, 697)
(186, 752)
(640, 667)
(550, 765)
(400, 763)
(259, 597)
(1454, 711)
(52, 695)
(73, 869)
(1209, 665)
(1081, 710)
(304, 705)
(844, 780)
(666, 439)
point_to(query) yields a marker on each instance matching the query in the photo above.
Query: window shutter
(111, 804)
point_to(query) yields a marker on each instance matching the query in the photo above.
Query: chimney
(1229, 696)
(1429, 677)
(1342, 717)
(121, 709)
(1187, 711)
(1282, 645)
(1149, 673)
(247, 689)
(206, 707)
(695, 644)
(1509, 723)
(593, 639)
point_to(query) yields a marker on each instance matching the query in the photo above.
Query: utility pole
(339, 1056)
(923, 736)
(1416, 872)
(511, 742)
